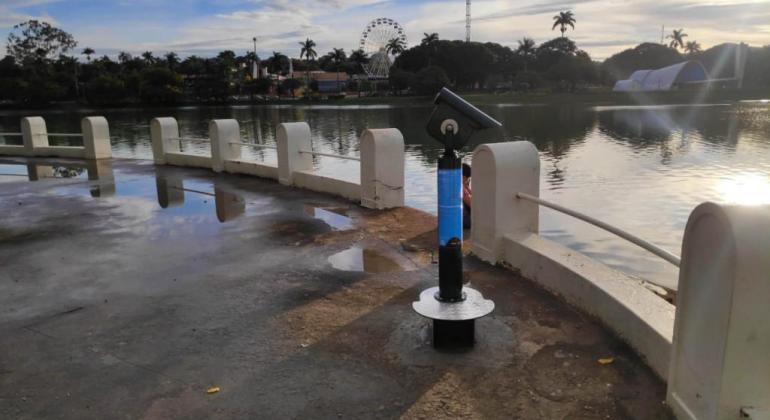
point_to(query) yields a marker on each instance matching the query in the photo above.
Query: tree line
(557, 63)
(40, 68)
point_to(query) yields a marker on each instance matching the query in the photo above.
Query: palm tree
(395, 46)
(677, 39)
(276, 62)
(564, 19)
(308, 50)
(148, 58)
(692, 47)
(87, 51)
(310, 54)
(526, 50)
(359, 58)
(172, 60)
(338, 57)
(429, 39)
(124, 57)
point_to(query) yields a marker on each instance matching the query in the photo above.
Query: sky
(205, 27)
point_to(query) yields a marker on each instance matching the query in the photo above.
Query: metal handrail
(189, 139)
(261, 146)
(310, 152)
(11, 134)
(654, 249)
(60, 134)
(195, 191)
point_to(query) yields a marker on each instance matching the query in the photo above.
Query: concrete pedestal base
(454, 334)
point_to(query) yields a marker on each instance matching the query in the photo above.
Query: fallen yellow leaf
(212, 390)
(606, 361)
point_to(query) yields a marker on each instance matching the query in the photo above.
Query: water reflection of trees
(672, 129)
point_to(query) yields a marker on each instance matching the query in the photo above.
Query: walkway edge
(635, 314)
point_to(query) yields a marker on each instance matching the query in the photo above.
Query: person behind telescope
(466, 196)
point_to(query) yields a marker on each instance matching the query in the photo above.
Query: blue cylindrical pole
(450, 227)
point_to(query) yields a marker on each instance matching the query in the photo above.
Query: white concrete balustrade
(382, 160)
(717, 358)
(95, 133)
(227, 150)
(381, 182)
(164, 135)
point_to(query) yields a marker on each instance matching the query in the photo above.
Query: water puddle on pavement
(332, 217)
(364, 260)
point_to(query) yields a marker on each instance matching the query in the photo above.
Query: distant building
(327, 81)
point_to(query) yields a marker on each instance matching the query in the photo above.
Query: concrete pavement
(132, 295)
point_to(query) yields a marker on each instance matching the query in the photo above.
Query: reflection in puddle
(171, 192)
(36, 171)
(335, 220)
(362, 259)
(229, 205)
(101, 170)
(92, 170)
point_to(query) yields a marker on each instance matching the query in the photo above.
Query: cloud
(204, 27)
(11, 12)
(533, 9)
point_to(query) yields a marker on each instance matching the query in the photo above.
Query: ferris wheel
(374, 40)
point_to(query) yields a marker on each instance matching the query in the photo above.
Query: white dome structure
(667, 78)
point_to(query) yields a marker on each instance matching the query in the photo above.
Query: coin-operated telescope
(452, 307)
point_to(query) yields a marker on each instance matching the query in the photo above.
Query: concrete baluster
(164, 133)
(293, 137)
(221, 134)
(96, 138)
(382, 168)
(720, 362)
(500, 170)
(34, 134)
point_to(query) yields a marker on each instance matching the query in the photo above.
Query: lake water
(642, 168)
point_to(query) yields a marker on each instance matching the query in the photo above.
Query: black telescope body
(456, 114)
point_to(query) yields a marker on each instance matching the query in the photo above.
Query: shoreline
(533, 98)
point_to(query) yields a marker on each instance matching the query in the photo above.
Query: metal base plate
(474, 306)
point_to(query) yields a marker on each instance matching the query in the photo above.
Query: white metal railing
(654, 249)
(257, 145)
(310, 152)
(11, 134)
